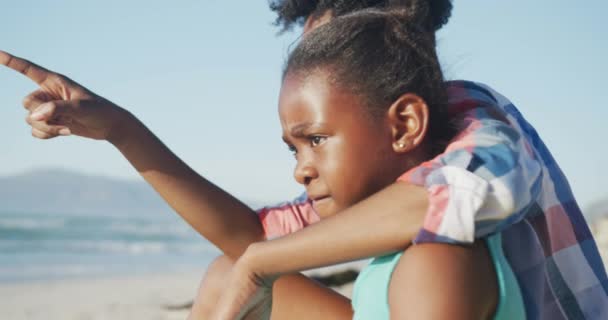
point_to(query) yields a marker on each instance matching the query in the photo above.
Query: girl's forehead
(301, 93)
(303, 106)
(314, 100)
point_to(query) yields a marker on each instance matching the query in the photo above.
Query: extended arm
(63, 107)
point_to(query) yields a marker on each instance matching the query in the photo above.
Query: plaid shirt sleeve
(485, 179)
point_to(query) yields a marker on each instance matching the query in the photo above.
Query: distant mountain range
(68, 192)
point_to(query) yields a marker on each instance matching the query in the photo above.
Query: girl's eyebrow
(299, 130)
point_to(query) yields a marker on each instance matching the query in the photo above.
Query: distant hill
(62, 191)
(69, 192)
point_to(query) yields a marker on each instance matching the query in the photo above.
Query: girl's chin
(325, 207)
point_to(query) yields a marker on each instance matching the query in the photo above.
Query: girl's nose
(304, 173)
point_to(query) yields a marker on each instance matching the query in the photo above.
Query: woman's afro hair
(432, 14)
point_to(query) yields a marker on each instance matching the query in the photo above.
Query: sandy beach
(148, 296)
(133, 297)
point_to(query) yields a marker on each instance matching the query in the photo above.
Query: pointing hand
(61, 106)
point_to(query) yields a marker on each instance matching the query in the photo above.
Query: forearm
(385, 222)
(212, 212)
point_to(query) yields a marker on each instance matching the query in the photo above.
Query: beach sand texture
(135, 297)
(117, 298)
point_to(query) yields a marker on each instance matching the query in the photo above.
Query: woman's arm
(431, 281)
(469, 191)
(385, 222)
(63, 107)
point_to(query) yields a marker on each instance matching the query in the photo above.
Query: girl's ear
(408, 117)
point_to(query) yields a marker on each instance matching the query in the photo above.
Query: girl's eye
(292, 149)
(316, 140)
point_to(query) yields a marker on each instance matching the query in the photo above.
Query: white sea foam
(32, 223)
(103, 247)
(173, 230)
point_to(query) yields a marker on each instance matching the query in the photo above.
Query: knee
(210, 288)
(220, 266)
(216, 274)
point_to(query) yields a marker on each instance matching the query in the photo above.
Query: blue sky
(205, 75)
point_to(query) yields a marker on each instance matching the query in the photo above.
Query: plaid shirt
(498, 176)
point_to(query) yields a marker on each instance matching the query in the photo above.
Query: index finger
(37, 73)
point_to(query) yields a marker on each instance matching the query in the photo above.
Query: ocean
(53, 246)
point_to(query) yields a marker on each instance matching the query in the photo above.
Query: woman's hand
(248, 295)
(63, 107)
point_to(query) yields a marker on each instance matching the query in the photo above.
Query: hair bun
(429, 14)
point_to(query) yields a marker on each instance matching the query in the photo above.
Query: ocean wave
(149, 229)
(91, 269)
(94, 228)
(32, 223)
(104, 247)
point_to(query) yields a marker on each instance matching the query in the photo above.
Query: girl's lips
(324, 206)
(317, 199)
(320, 201)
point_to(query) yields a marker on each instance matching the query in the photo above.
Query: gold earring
(401, 145)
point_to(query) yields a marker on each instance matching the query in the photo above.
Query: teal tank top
(370, 293)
